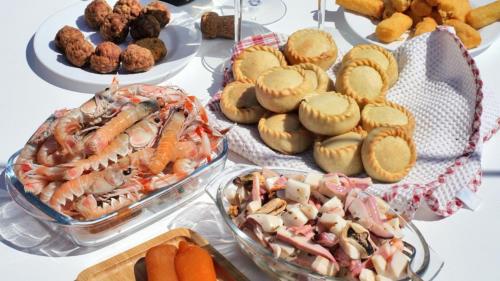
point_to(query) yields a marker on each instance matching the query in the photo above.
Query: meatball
(159, 11)
(114, 28)
(155, 45)
(78, 52)
(95, 13)
(129, 8)
(137, 59)
(145, 26)
(66, 35)
(106, 58)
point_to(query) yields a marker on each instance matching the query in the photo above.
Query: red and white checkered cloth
(440, 84)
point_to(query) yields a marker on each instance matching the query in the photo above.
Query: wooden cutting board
(130, 265)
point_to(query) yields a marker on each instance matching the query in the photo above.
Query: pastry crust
(239, 103)
(284, 133)
(388, 154)
(250, 63)
(280, 89)
(329, 113)
(363, 80)
(316, 78)
(313, 46)
(377, 54)
(341, 154)
(387, 114)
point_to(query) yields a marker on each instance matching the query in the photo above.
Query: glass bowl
(122, 222)
(280, 268)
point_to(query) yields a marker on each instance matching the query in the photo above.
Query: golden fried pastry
(387, 114)
(316, 78)
(454, 9)
(380, 55)
(414, 18)
(388, 154)
(428, 24)
(363, 80)
(250, 63)
(388, 9)
(284, 133)
(400, 5)
(329, 114)
(392, 28)
(341, 154)
(239, 103)
(311, 45)
(484, 15)
(467, 34)
(280, 89)
(371, 8)
(421, 8)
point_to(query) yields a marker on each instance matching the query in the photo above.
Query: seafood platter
(122, 159)
(295, 225)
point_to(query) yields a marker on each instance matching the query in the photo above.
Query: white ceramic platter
(180, 36)
(365, 28)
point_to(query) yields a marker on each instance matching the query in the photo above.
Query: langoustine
(95, 159)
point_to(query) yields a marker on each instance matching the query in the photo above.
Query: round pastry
(129, 8)
(250, 63)
(239, 103)
(316, 78)
(145, 26)
(155, 45)
(114, 28)
(106, 57)
(387, 114)
(65, 35)
(329, 113)
(341, 154)
(78, 52)
(137, 59)
(311, 45)
(95, 13)
(363, 80)
(381, 56)
(280, 89)
(388, 154)
(284, 133)
(159, 11)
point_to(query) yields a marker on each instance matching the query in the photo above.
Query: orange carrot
(160, 263)
(193, 263)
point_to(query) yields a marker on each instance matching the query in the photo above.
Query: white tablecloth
(466, 241)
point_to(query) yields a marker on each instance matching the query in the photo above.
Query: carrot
(193, 263)
(160, 264)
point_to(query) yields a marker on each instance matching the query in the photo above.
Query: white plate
(180, 36)
(365, 28)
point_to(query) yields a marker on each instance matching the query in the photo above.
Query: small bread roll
(428, 24)
(484, 15)
(392, 28)
(371, 8)
(400, 5)
(469, 36)
(454, 9)
(421, 8)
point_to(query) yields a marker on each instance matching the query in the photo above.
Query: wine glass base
(266, 12)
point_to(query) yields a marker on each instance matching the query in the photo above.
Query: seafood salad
(325, 223)
(116, 148)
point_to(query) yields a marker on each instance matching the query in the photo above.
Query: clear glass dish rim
(265, 252)
(35, 202)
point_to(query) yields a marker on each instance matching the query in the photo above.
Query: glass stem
(321, 13)
(238, 14)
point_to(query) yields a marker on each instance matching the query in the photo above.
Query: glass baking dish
(115, 225)
(285, 270)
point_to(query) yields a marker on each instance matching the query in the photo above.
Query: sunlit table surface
(466, 241)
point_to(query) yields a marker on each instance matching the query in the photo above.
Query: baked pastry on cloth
(239, 103)
(250, 63)
(316, 78)
(387, 114)
(388, 154)
(284, 133)
(311, 45)
(329, 113)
